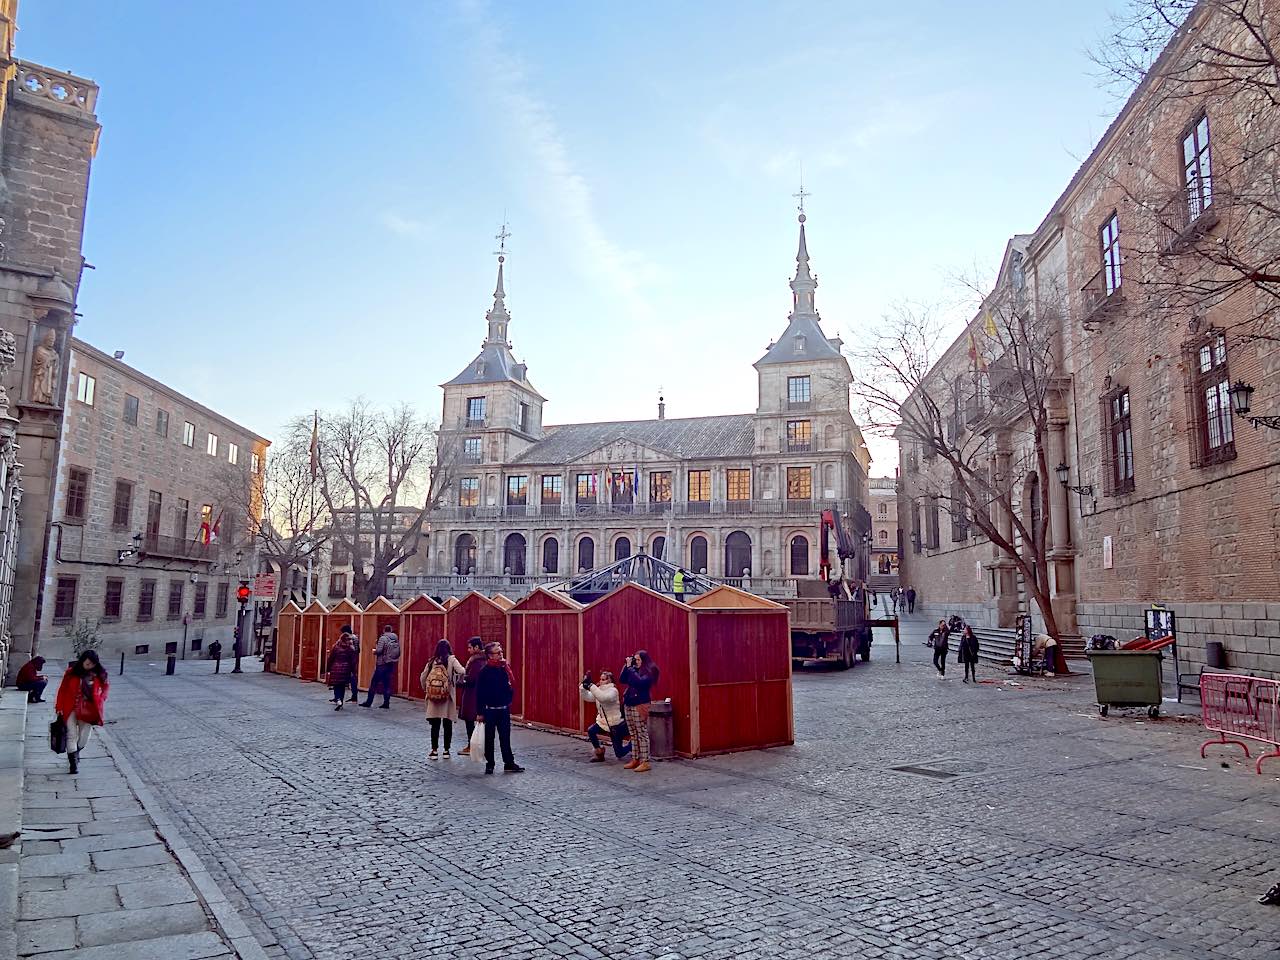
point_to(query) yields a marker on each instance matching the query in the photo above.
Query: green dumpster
(1127, 678)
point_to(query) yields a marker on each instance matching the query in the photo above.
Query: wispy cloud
(566, 188)
(401, 225)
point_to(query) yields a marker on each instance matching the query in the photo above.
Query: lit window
(799, 483)
(233, 454)
(739, 484)
(660, 486)
(469, 492)
(211, 447)
(85, 388)
(517, 491)
(699, 486)
(586, 487)
(188, 434)
(552, 487)
(799, 436)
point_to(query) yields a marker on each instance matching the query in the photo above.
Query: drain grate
(926, 772)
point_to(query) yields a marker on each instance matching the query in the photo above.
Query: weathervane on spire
(501, 237)
(801, 195)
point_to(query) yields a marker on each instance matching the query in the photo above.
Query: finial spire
(803, 286)
(498, 318)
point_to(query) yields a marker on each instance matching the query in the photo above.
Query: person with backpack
(968, 654)
(340, 667)
(640, 675)
(387, 657)
(439, 680)
(495, 689)
(81, 703)
(467, 707)
(609, 719)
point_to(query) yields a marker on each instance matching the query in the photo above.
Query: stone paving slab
(97, 877)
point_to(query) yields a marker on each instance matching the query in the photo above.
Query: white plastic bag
(477, 742)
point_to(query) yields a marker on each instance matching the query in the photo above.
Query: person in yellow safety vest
(677, 584)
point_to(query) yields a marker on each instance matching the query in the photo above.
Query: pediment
(623, 452)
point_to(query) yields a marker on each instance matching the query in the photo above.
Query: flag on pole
(989, 328)
(979, 361)
(204, 533)
(214, 530)
(315, 446)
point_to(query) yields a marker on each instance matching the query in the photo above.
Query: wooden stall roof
(421, 604)
(290, 609)
(315, 607)
(451, 602)
(502, 600)
(543, 599)
(725, 597)
(381, 605)
(344, 606)
(643, 589)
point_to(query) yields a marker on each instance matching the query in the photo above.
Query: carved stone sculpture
(8, 356)
(44, 368)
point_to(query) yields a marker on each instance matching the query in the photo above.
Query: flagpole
(315, 463)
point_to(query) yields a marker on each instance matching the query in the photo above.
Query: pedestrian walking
(81, 703)
(439, 679)
(677, 584)
(495, 689)
(609, 720)
(341, 666)
(968, 654)
(355, 674)
(31, 680)
(476, 660)
(640, 675)
(911, 599)
(386, 654)
(939, 639)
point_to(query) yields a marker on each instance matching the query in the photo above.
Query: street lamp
(1241, 401)
(127, 552)
(1064, 477)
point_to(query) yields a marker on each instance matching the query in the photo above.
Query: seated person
(32, 680)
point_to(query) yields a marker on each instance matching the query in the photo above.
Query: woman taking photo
(342, 667)
(439, 681)
(640, 675)
(81, 702)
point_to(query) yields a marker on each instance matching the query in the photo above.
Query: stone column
(1006, 572)
(1061, 552)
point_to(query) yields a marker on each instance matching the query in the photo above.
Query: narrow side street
(915, 817)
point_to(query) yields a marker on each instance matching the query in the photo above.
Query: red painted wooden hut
(381, 613)
(450, 603)
(424, 626)
(475, 615)
(544, 648)
(288, 627)
(310, 664)
(742, 672)
(633, 618)
(343, 612)
(502, 600)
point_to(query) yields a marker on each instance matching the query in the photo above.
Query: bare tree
(381, 472)
(286, 517)
(975, 419)
(1209, 223)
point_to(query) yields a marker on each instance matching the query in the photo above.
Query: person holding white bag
(439, 681)
(495, 689)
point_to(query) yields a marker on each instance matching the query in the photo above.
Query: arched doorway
(621, 548)
(737, 554)
(659, 547)
(586, 554)
(464, 554)
(799, 556)
(513, 553)
(698, 554)
(551, 555)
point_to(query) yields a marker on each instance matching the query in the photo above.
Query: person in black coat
(495, 689)
(938, 640)
(968, 654)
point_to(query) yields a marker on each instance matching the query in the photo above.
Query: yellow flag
(989, 328)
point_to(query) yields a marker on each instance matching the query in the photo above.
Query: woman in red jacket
(81, 702)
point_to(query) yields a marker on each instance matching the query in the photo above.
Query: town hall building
(733, 496)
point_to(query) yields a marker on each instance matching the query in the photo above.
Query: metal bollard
(121, 663)
(169, 663)
(217, 665)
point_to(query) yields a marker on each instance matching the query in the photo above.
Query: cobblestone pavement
(1035, 830)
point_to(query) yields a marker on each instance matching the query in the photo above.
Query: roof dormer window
(479, 368)
(798, 343)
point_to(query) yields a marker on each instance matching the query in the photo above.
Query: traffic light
(243, 593)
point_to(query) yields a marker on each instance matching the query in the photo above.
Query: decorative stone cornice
(66, 92)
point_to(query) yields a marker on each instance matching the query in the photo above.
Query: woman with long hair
(640, 675)
(439, 681)
(341, 667)
(82, 702)
(969, 653)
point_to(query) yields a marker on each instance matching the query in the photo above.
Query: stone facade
(48, 137)
(143, 473)
(734, 496)
(1180, 499)
(882, 501)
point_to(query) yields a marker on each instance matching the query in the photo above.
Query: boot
(73, 761)
(1271, 898)
(599, 757)
(631, 764)
(643, 767)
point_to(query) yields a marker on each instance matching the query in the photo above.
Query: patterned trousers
(638, 724)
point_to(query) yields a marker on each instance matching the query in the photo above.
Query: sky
(294, 204)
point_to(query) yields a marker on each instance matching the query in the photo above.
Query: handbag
(58, 735)
(477, 742)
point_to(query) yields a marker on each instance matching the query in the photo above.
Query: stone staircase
(996, 645)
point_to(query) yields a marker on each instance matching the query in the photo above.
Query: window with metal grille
(224, 591)
(799, 436)
(175, 599)
(1211, 401)
(200, 602)
(1120, 441)
(1109, 238)
(64, 600)
(799, 483)
(146, 600)
(112, 599)
(77, 493)
(123, 505)
(131, 409)
(1197, 168)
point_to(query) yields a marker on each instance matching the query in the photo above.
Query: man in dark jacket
(476, 660)
(495, 689)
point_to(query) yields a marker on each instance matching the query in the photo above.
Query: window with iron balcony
(1209, 399)
(1102, 294)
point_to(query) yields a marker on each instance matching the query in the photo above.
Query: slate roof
(693, 438)
(499, 367)
(816, 345)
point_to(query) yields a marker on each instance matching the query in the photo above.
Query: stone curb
(13, 710)
(228, 918)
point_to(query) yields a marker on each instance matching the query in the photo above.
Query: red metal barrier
(1240, 706)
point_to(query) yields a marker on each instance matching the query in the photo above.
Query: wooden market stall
(450, 603)
(633, 618)
(742, 673)
(287, 649)
(310, 664)
(423, 621)
(502, 600)
(381, 613)
(544, 648)
(342, 613)
(475, 615)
